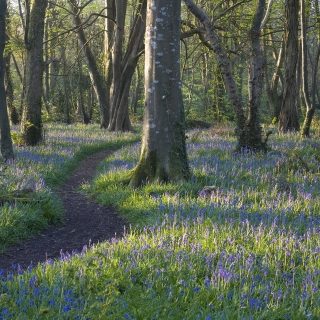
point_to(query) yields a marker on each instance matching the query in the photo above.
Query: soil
(85, 223)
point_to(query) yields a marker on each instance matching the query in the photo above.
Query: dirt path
(85, 222)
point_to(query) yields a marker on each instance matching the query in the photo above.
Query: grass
(247, 249)
(27, 200)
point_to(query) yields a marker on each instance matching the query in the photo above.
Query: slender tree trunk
(6, 142)
(14, 116)
(289, 119)
(256, 72)
(163, 154)
(66, 104)
(32, 123)
(273, 92)
(310, 107)
(13, 113)
(137, 92)
(314, 92)
(117, 63)
(117, 49)
(108, 44)
(95, 75)
(46, 90)
(124, 65)
(80, 100)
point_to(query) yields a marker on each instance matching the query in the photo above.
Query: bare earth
(85, 222)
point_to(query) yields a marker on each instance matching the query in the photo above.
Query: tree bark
(273, 91)
(14, 115)
(32, 123)
(13, 112)
(310, 107)
(95, 75)
(124, 65)
(6, 142)
(108, 44)
(256, 72)
(80, 101)
(163, 154)
(137, 91)
(289, 119)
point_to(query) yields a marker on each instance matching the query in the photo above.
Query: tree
(274, 90)
(34, 34)
(95, 75)
(289, 118)
(124, 63)
(14, 116)
(309, 103)
(163, 153)
(6, 142)
(13, 113)
(108, 44)
(248, 129)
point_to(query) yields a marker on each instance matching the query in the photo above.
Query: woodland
(160, 159)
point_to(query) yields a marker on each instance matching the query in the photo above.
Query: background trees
(243, 64)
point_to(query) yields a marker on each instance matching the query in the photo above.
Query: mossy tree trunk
(6, 142)
(32, 122)
(163, 154)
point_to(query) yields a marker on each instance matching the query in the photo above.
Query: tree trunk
(14, 116)
(137, 92)
(108, 44)
(66, 89)
(80, 100)
(32, 123)
(13, 112)
(273, 92)
(95, 75)
(289, 119)
(248, 131)
(46, 91)
(6, 142)
(253, 128)
(125, 65)
(310, 107)
(163, 154)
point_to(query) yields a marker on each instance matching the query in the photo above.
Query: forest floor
(239, 240)
(85, 222)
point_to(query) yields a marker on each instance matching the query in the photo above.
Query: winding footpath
(85, 222)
